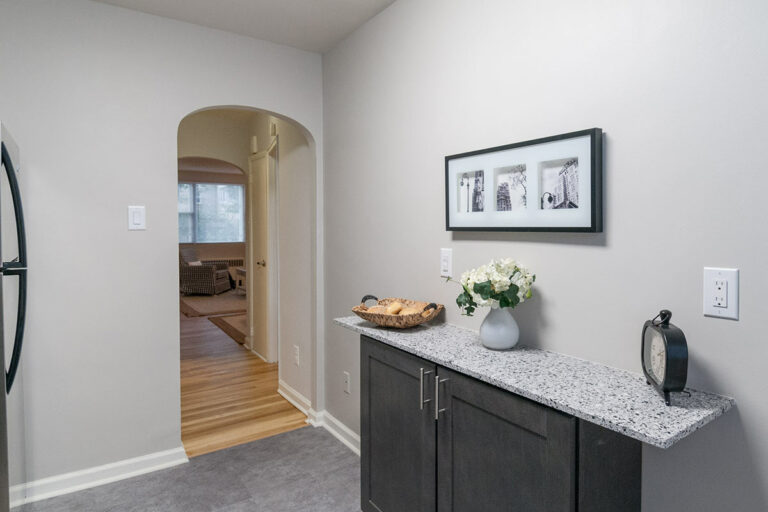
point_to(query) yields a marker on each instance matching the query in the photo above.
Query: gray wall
(680, 90)
(94, 95)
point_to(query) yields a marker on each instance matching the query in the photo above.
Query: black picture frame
(471, 171)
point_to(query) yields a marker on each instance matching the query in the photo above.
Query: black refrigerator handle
(16, 267)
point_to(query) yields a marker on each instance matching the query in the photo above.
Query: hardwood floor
(228, 394)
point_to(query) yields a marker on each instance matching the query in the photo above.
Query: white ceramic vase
(499, 330)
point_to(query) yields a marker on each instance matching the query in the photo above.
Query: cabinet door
(500, 452)
(397, 430)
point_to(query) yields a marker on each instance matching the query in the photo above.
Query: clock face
(655, 355)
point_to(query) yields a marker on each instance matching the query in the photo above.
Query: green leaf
(484, 290)
(466, 302)
(509, 298)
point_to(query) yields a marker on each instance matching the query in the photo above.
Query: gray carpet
(303, 470)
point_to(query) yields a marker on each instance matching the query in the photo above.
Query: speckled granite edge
(616, 399)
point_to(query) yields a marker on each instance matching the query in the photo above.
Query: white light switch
(137, 218)
(721, 292)
(446, 262)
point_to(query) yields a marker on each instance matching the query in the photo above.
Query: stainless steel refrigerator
(13, 299)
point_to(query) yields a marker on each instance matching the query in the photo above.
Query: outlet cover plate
(721, 292)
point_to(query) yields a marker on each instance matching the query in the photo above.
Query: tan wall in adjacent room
(222, 133)
(210, 177)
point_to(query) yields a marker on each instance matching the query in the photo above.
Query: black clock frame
(676, 368)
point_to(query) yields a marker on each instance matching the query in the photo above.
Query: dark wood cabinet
(497, 451)
(397, 431)
(435, 440)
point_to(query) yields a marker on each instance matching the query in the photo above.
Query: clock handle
(663, 317)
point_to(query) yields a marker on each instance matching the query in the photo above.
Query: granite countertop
(615, 399)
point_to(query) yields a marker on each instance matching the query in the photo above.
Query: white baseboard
(339, 430)
(17, 495)
(248, 345)
(313, 418)
(320, 418)
(257, 354)
(298, 400)
(92, 477)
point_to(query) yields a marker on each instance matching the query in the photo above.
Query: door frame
(273, 256)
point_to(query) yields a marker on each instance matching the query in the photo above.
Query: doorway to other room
(242, 371)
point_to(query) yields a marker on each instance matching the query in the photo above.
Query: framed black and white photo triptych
(549, 184)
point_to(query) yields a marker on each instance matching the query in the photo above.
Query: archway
(251, 132)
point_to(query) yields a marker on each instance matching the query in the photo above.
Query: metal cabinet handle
(438, 410)
(422, 373)
(421, 389)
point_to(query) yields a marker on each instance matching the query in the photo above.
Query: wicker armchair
(210, 278)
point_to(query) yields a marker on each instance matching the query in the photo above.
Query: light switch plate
(137, 218)
(446, 262)
(721, 292)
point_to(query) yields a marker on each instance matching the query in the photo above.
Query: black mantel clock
(664, 355)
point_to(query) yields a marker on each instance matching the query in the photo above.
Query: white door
(262, 253)
(258, 207)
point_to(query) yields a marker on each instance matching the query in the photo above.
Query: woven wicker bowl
(398, 321)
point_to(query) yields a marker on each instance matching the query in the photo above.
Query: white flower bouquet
(501, 283)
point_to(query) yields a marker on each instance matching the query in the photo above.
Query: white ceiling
(313, 25)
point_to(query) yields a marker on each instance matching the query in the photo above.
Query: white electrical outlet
(446, 262)
(721, 292)
(720, 297)
(347, 384)
(296, 355)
